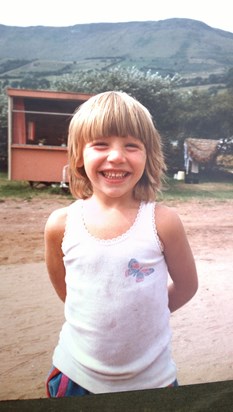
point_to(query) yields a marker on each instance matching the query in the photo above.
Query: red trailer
(38, 122)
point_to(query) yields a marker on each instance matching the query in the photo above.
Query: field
(31, 314)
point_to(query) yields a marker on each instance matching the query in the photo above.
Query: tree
(3, 106)
(3, 127)
(177, 113)
(206, 115)
(158, 94)
(229, 79)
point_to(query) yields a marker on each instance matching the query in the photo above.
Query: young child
(109, 254)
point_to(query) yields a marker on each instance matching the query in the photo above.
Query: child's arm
(53, 235)
(178, 256)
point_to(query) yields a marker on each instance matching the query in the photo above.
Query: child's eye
(100, 144)
(132, 145)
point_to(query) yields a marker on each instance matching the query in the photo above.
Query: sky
(70, 12)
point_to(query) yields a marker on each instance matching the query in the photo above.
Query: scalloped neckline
(114, 239)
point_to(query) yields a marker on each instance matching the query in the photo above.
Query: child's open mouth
(115, 175)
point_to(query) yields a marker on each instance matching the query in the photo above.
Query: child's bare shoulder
(165, 213)
(57, 220)
(167, 220)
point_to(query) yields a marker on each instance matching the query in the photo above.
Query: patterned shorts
(59, 385)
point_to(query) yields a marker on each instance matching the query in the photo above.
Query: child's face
(114, 164)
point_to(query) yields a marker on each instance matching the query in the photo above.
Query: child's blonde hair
(114, 114)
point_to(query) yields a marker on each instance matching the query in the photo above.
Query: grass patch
(182, 191)
(23, 190)
(219, 187)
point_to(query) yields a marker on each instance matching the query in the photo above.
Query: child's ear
(79, 163)
(81, 171)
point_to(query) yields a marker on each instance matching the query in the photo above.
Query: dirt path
(31, 314)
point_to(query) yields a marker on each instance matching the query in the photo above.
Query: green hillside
(183, 46)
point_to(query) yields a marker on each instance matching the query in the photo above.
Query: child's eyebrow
(97, 139)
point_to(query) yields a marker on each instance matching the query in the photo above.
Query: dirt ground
(31, 314)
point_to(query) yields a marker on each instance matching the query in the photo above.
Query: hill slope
(169, 46)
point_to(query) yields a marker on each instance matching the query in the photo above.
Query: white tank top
(116, 335)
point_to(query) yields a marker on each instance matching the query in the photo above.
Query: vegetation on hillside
(188, 47)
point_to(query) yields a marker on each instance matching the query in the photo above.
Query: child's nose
(116, 155)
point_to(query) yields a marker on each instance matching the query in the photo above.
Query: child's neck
(108, 220)
(107, 203)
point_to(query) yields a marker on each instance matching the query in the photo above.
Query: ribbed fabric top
(116, 336)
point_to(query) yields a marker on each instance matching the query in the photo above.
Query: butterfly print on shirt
(138, 271)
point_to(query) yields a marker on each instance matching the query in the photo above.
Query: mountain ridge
(174, 45)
